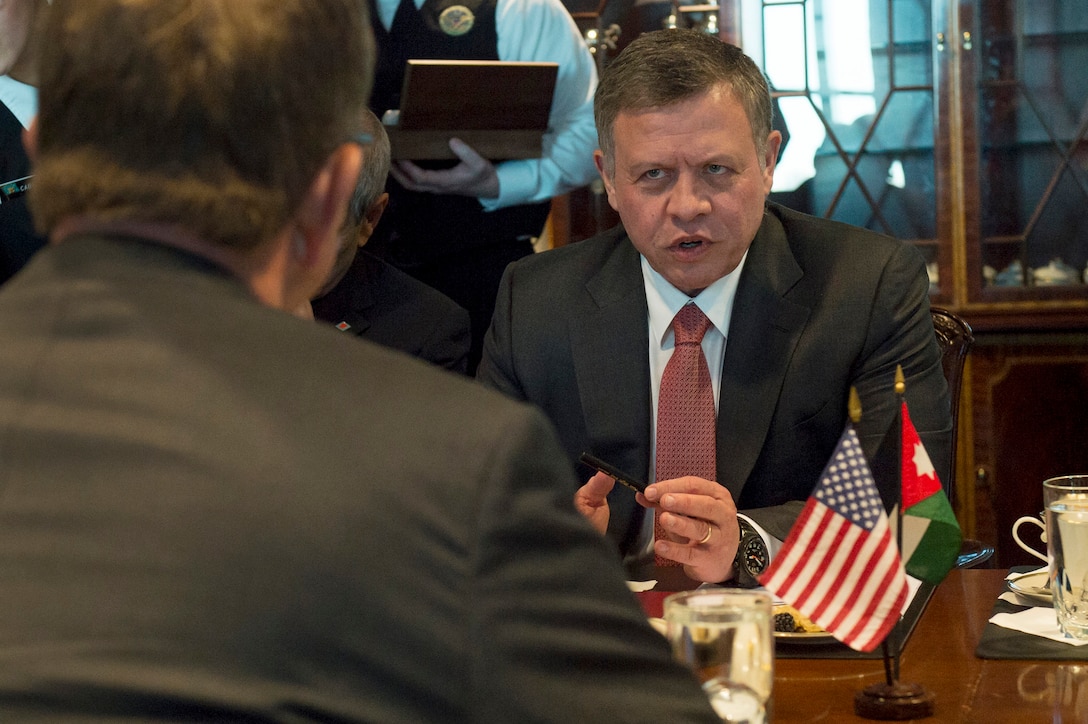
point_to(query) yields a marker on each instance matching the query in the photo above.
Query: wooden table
(940, 656)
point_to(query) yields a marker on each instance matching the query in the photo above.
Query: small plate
(1032, 586)
(806, 637)
(813, 637)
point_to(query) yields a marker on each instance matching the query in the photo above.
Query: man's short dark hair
(214, 115)
(664, 67)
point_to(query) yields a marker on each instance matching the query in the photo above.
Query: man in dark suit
(371, 298)
(19, 23)
(801, 310)
(376, 301)
(211, 510)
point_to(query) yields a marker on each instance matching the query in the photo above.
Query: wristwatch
(752, 556)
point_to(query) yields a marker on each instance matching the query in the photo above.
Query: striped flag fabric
(931, 534)
(839, 565)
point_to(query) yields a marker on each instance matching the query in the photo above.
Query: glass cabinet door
(1032, 87)
(856, 92)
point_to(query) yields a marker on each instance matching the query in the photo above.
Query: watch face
(753, 554)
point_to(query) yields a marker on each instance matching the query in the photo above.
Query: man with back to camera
(213, 510)
(797, 311)
(368, 297)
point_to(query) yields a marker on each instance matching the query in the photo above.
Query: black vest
(421, 228)
(419, 35)
(17, 238)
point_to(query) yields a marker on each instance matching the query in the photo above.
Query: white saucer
(1032, 586)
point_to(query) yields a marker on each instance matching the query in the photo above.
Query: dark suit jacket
(383, 304)
(213, 511)
(820, 306)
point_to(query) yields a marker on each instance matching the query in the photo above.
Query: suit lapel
(362, 303)
(609, 343)
(763, 333)
(358, 287)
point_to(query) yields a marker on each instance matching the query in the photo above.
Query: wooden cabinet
(959, 125)
(1030, 420)
(1025, 163)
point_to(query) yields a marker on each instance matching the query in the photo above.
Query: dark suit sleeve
(901, 333)
(496, 366)
(560, 638)
(777, 519)
(898, 330)
(448, 343)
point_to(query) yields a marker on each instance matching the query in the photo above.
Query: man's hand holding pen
(701, 520)
(699, 515)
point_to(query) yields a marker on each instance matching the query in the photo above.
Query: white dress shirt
(543, 31)
(663, 301)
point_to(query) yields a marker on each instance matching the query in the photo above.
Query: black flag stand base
(893, 702)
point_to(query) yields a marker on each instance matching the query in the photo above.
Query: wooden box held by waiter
(499, 108)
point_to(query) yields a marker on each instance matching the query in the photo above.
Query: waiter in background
(456, 227)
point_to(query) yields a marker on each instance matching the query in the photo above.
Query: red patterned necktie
(686, 421)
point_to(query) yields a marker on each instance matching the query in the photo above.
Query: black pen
(621, 477)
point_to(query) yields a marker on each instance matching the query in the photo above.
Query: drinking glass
(1066, 502)
(725, 637)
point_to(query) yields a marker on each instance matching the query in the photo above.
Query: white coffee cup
(1042, 535)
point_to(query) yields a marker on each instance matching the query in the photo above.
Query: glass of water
(1066, 502)
(725, 637)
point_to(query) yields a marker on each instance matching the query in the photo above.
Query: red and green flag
(931, 535)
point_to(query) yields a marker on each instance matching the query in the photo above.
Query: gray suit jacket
(213, 511)
(820, 306)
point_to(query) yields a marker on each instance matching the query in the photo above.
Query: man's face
(15, 18)
(689, 186)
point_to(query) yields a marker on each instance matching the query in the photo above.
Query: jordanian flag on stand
(931, 535)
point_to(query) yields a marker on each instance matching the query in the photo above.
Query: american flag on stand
(840, 566)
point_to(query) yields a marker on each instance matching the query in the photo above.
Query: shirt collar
(663, 301)
(387, 10)
(21, 99)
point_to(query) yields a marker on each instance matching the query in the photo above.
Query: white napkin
(639, 586)
(1035, 620)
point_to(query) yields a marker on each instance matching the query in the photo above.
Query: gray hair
(377, 158)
